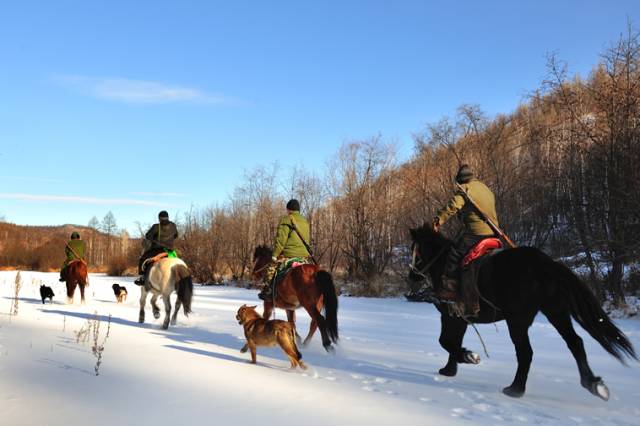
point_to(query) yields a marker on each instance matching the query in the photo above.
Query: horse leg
(267, 310)
(321, 324)
(143, 301)
(154, 306)
(312, 330)
(71, 289)
(166, 298)
(452, 332)
(174, 318)
(562, 323)
(291, 317)
(519, 333)
(82, 285)
(314, 324)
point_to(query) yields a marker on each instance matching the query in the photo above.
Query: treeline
(564, 167)
(41, 248)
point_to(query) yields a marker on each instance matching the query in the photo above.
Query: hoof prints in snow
(375, 364)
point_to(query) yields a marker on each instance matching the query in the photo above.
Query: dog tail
(184, 287)
(292, 336)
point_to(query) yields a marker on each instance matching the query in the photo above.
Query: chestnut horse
(305, 286)
(76, 275)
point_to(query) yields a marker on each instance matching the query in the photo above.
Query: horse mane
(426, 234)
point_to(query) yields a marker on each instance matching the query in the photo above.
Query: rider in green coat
(288, 244)
(73, 250)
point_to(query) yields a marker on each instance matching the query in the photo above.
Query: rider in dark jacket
(475, 228)
(159, 238)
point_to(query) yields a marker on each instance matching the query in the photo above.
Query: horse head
(427, 247)
(261, 259)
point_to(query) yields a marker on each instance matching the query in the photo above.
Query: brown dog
(262, 332)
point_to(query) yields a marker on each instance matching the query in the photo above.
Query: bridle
(416, 254)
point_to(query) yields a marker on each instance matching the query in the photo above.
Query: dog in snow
(120, 293)
(262, 332)
(46, 292)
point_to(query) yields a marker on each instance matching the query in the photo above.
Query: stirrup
(140, 281)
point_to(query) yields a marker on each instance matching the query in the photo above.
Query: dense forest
(564, 167)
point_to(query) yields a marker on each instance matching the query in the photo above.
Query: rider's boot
(141, 280)
(265, 292)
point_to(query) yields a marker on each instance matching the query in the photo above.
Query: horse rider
(73, 250)
(159, 239)
(475, 228)
(292, 239)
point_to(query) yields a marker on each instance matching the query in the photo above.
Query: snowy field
(384, 371)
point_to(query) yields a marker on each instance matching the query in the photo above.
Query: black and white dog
(120, 293)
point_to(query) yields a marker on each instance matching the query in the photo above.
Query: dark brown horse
(76, 275)
(305, 286)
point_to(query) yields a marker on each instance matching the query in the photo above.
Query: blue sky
(137, 106)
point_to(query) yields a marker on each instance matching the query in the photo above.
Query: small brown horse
(76, 275)
(305, 286)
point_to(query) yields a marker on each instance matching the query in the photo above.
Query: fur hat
(464, 174)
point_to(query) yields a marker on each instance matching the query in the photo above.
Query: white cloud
(81, 200)
(139, 91)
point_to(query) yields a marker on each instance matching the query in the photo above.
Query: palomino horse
(76, 275)
(166, 276)
(515, 285)
(304, 286)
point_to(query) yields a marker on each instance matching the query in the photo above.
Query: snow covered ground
(384, 371)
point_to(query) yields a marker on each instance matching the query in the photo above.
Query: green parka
(74, 250)
(473, 223)
(288, 243)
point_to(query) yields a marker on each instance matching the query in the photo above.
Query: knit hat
(163, 214)
(464, 174)
(75, 235)
(293, 205)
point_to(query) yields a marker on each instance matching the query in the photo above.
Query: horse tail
(324, 281)
(184, 287)
(586, 311)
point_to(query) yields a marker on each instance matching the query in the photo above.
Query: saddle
(76, 261)
(285, 268)
(468, 303)
(152, 260)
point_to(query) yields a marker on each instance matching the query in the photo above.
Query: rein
(422, 272)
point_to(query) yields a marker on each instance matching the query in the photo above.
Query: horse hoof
(165, 326)
(448, 371)
(69, 301)
(330, 349)
(598, 388)
(156, 315)
(513, 392)
(471, 358)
